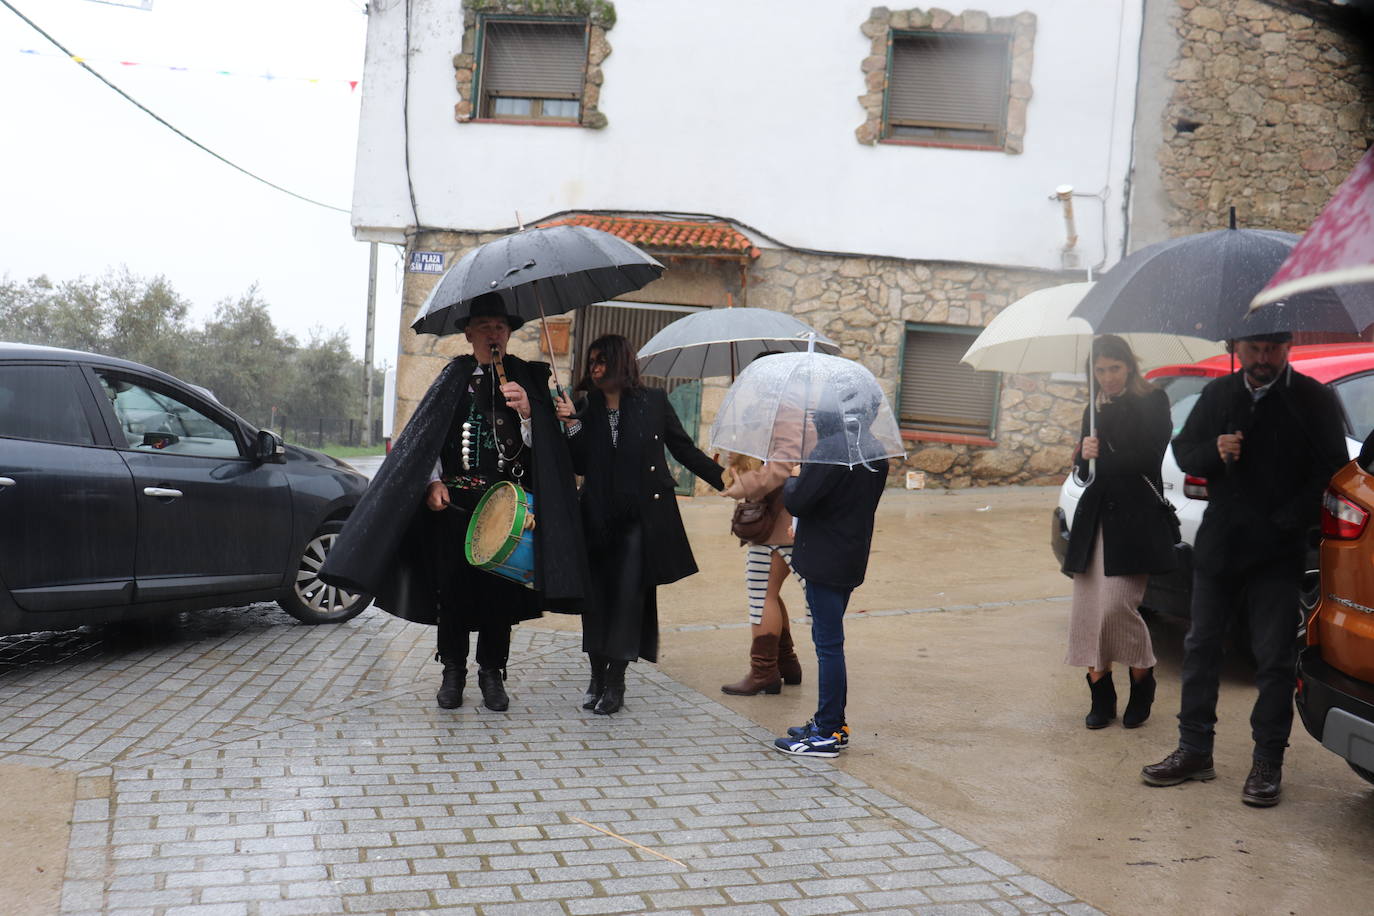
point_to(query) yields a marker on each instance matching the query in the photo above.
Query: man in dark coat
(834, 505)
(404, 543)
(1267, 439)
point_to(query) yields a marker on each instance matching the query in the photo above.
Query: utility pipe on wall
(1068, 256)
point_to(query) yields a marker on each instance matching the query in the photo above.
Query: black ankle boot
(598, 682)
(1142, 698)
(450, 695)
(1104, 701)
(493, 692)
(613, 692)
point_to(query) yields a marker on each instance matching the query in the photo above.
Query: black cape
(381, 549)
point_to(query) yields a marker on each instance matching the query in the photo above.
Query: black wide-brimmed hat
(488, 305)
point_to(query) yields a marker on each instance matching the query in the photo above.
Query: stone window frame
(879, 28)
(913, 430)
(599, 16)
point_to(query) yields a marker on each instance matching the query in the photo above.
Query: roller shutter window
(941, 394)
(533, 70)
(949, 87)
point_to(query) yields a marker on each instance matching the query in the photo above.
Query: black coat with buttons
(1132, 434)
(1262, 505)
(632, 479)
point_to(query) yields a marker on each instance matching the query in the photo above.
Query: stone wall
(1269, 112)
(864, 304)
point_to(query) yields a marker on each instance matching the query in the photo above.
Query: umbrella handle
(1092, 432)
(1085, 482)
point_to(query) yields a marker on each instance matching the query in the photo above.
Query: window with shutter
(948, 86)
(532, 70)
(941, 394)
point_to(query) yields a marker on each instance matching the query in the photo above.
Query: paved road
(239, 763)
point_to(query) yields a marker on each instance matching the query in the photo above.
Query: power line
(158, 118)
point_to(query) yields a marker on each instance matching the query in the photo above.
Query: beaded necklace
(477, 435)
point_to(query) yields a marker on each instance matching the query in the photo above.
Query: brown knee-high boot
(789, 666)
(763, 669)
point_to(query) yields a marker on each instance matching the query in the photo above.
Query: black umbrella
(538, 272)
(1201, 286)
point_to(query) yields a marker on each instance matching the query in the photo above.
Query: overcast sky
(89, 182)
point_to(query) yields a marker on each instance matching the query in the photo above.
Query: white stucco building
(889, 176)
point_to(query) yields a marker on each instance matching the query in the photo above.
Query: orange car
(1335, 691)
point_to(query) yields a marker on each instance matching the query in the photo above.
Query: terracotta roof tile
(691, 237)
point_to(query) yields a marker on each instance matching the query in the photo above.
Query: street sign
(426, 262)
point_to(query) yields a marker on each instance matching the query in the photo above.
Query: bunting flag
(318, 81)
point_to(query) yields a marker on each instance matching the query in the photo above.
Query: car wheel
(311, 600)
(1366, 775)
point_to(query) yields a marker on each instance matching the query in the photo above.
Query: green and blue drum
(500, 536)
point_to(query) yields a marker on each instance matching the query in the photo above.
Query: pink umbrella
(1338, 248)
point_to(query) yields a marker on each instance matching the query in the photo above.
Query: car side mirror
(271, 449)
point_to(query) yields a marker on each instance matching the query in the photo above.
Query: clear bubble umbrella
(807, 407)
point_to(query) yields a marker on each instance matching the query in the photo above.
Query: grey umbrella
(724, 341)
(1201, 286)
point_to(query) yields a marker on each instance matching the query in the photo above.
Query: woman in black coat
(1121, 533)
(635, 538)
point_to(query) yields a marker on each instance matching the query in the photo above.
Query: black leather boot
(1264, 785)
(493, 692)
(1180, 766)
(1142, 698)
(1104, 701)
(613, 694)
(450, 695)
(598, 682)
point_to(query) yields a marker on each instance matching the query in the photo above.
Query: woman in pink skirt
(1121, 533)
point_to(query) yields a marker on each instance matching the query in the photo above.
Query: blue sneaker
(811, 743)
(796, 731)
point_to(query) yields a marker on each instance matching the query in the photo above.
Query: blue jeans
(828, 604)
(1267, 600)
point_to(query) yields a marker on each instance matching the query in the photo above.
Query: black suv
(126, 493)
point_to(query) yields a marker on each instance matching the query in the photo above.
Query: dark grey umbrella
(538, 272)
(1201, 286)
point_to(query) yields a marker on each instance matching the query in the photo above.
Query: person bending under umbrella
(630, 517)
(834, 504)
(468, 433)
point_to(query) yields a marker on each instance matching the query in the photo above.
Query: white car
(1347, 368)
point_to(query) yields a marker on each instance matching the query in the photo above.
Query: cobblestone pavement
(238, 763)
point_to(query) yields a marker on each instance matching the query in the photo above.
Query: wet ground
(234, 761)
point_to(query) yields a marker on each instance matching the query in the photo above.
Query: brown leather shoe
(1263, 785)
(789, 666)
(1180, 766)
(763, 670)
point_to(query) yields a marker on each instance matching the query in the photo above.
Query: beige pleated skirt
(1105, 625)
